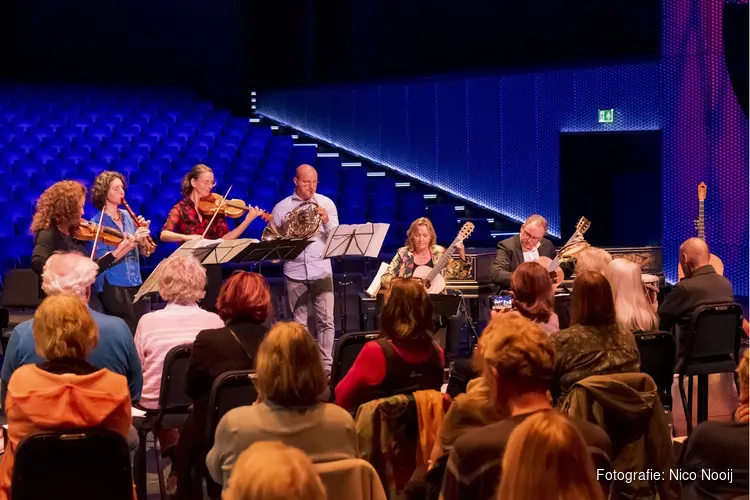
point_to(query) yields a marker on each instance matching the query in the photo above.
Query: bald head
(694, 253)
(305, 181)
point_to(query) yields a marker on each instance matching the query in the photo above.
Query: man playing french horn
(310, 215)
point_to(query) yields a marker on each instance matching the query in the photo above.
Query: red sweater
(368, 370)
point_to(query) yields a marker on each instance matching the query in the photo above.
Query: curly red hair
(58, 204)
(244, 296)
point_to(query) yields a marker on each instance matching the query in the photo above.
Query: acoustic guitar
(432, 277)
(553, 265)
(700, 225)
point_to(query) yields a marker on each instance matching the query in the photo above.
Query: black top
(475, 463)
(217, 351)
(704, 286)
(718, 446)
(510, 255)
(402, 377)
(51, 240)
(76, 366)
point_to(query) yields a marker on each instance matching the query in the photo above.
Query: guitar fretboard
(442, 261)
(700, 223)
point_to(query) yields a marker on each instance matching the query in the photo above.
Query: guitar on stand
(575, 244)
(432, 277)
(700, 225)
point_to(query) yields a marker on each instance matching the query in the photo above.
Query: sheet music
(375, 285)
(227, 250)
(364, 240)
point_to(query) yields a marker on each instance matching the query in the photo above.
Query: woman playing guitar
(185, 222)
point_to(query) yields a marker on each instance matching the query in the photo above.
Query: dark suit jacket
(704, 286)
(510, 255)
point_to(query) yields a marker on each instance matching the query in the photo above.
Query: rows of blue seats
(45, 138)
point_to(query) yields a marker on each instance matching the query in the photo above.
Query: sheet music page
(375, 285)
(378, 237)
(200, 243)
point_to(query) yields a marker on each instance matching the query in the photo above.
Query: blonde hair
(271, 470)
(632, 308)
(182, 280)
(69, 273)
(592, 259)
(422, 221)
(547, 459)
(63, 328)
(186, 187)
(519, 352)
(289, 369)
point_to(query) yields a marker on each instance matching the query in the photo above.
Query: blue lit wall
(494, 140)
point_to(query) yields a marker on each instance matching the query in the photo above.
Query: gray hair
(69, 273)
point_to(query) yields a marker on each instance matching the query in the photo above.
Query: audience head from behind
(182, 280)
(592, 259)
(289, 370)
(547, 459)
(694, 253)
(632, 307)
(532, 291)
(245, 296)
(517, 360)
(63, 328)
(69, 273)
(271, 470)
(593, 302)
(406, 319)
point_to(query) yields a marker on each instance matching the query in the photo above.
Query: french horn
(301, 223)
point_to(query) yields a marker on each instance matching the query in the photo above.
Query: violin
(86, 231)
(231, 208)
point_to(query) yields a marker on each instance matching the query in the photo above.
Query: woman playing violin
(186, 222)
(58, 215)
(118, 284)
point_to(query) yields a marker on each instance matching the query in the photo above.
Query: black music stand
(445, 304)
(271, 250)
(362, 240)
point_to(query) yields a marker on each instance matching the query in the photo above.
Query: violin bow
(216, 212)
(96, 237)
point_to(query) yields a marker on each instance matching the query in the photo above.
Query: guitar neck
(701, 221)
(442, 261)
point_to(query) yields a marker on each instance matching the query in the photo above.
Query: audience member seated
(270, 470)
(720, 447)
(547, 459)
(244, 303)
(519, 365)
(72, 273)
(701, 285)
(632, 308)
(533, 295)
(405, 360)
(181, 284)
(64, 390)
(290, 378)
(592, 259)
(595, 344)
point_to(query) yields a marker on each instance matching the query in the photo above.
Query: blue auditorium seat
(303, 154)
(169, 153)
(130, 132)
(137, 153)
(11, 156)
(117, 142)
(147, 142)
(26, 143)
(42, 134)
(71, 134)
(110, 123)
(107, 154)
(99, 132)
(138, 193)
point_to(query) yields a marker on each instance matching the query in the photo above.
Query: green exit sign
(606, 115)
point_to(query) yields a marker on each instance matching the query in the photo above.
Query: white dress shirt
(532, 255)
(309, 265)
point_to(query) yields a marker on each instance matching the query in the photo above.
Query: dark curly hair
(58, 203)
(101, 187)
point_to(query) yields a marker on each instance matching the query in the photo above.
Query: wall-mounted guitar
(432, 277)
(700, 225)
(575, 244)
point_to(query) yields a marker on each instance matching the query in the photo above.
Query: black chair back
(712, 343)
(347, 350)
(78, 464)
(230, 390)
(20, 289)
(658, 351)
(172, 397)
